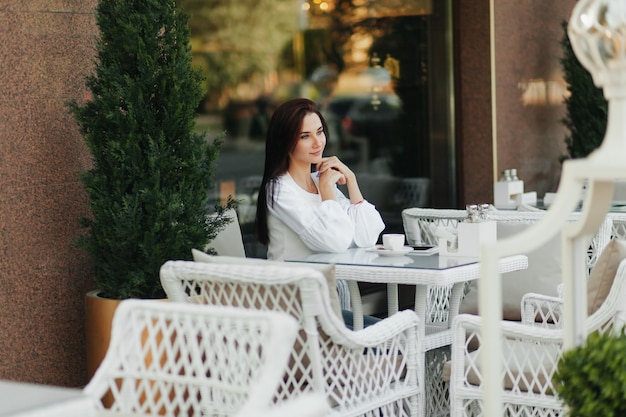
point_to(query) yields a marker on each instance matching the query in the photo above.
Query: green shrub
(151, 174)
(591, 379)
(587, 109)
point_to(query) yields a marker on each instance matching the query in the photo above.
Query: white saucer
(386, 252)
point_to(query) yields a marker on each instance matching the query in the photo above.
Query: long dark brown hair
(283, 133)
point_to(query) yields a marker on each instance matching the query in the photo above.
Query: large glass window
(380, 70)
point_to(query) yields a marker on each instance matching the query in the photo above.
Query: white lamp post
(597, 32)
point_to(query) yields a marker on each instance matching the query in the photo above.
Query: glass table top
(375, 257)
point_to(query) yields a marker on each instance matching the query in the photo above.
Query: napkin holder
(469, 238)
(505, 193)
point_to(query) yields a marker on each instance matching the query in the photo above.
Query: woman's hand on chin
(333, 163)
(331, 176)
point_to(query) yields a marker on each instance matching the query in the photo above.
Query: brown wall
(529, 138)
(473, 98)
(45, 50)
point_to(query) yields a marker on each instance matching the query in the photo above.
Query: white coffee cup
(393, 241)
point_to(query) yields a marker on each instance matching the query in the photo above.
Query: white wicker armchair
(183, 359)
(420, 225)
(230, 242)
(373, 372)
(619, 224)
(531, 351)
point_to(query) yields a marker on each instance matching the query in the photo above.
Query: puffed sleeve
(323, 227)
(368, 224)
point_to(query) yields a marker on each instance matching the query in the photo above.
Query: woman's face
(311, 141)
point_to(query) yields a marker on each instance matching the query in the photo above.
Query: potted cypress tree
(151, 174)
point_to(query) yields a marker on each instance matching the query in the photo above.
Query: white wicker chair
(420, 225)
(530, 355)
(183, 359)
(373, 372)
(619, 224)
(229, 242)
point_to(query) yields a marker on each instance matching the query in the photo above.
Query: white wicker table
(34, 400)
(435, 304)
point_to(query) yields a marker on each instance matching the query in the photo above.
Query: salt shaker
(472, 213)
(506, 176)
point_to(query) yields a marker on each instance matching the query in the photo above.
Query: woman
(300, 212)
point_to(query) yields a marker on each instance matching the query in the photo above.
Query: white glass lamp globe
(597, 32)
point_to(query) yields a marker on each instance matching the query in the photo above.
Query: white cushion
(603, 274)
(327, 269)
(542, 276)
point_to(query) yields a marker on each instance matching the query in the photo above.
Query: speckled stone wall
(531, 137)
(46, 48)
(474, 150)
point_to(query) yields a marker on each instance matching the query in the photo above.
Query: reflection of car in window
(360, 118)
(334, 113)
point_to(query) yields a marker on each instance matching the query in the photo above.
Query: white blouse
(300, 223)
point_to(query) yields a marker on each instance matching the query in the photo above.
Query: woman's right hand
(333, 171)
(339, 172)
(331, 176)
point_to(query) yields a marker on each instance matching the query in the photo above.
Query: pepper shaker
(483, 212)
